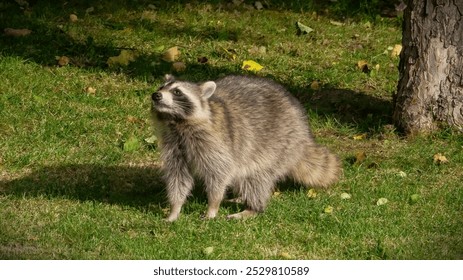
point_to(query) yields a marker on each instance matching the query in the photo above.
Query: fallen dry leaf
(402, 174)
(16, 32)
(440, 159)
(396, 51)
(151, 140)
(302, 29)
(382, 201)
(63, 60)
(285, 255)
(171, 54)
(90, 90)
(363, 66)
(337, 23)
(124, 58)
(208, 250)
(345, 195)
(73, 18)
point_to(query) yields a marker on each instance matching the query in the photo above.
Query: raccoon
(239, 132)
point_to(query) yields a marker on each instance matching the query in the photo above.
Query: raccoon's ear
(169, 78)
(208, 89)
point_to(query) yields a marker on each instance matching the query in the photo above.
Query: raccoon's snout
(157, 96)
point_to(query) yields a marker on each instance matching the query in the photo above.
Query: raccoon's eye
(177, 92)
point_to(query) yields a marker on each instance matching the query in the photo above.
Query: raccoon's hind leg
(318, 167)
(255, 193)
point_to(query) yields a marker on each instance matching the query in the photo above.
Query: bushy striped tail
(318, 168)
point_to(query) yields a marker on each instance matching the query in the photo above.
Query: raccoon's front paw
(174, 212)
(172, 217)
(208, 216)
(169, 220)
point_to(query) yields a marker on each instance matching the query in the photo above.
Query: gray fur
(239, 132)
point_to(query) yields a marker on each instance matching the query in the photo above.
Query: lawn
(79, 170)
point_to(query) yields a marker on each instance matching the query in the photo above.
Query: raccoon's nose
(156, 96)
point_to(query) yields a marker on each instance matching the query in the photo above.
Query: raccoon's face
(182, 100)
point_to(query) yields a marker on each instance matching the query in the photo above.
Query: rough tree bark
(430, 88)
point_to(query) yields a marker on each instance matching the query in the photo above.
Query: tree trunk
(430, 88)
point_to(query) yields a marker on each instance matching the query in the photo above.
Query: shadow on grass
(141, 188)
(367, 113)
(138, 187)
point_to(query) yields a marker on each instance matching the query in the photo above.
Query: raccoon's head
(182, 100)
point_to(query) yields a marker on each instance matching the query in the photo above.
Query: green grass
(69, 190)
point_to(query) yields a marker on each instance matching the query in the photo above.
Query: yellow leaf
(382, 201)
(276, 193)
(345, 195)
(124, 58)
(250, 65)
(440, 159)
(312, 193)
(90, 90)
(396, 51)
(171, 54)
(360, 136)
(362, 65)
(329, 209)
